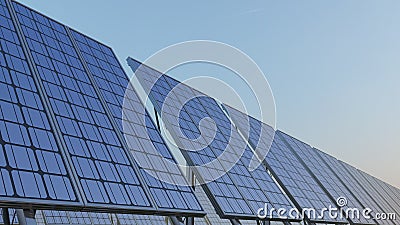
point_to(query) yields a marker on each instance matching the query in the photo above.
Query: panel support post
(235, 222)
(175, 220)
(157, 120)
(190, 221)
(26, 216)
(6, 216)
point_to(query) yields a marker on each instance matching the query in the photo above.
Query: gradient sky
(333, 65)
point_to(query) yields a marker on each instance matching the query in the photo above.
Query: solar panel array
(325, 176)
(61, 133)
(238, 192)
(367, 197)
(285, 166)
(71, 137)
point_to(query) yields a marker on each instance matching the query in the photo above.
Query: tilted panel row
(237, 191)
(165, 180)
(328, 180)
(287, 169)
(368, 198)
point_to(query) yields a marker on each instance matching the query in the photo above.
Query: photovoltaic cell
(102, 165)
(284, 165)
(356, 188)
(237, 192)
(31, 164)
(331, 183)
(143, 138)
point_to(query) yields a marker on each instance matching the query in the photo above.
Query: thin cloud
(251, 11)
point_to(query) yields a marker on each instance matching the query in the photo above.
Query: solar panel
(237, 193)
(104, 170)
(382, 188)
(327, 179)
(291, 174)
(359, 192)
(166, 181)
(32, 166)
(357, 175)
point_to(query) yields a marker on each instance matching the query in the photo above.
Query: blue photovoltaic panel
(102, 165)
(287, 169)
(31, 164)
(113, 83)
(238, 192)
(330, 182)
(377, 205)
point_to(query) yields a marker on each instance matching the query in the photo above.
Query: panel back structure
(74, 218)
(61, 133)
(367, 197)
(238, 192)
(325, 177)
(287, 169)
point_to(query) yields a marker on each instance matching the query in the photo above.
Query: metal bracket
(235, 222)
(175, 220)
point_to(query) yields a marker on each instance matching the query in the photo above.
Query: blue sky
(333, 65)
